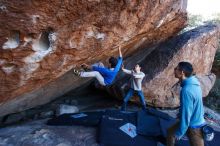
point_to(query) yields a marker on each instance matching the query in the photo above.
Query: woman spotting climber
(104, 75)
(135, 86)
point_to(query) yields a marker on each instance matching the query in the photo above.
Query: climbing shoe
(76, 72)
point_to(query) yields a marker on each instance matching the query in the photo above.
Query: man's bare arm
(119, 50)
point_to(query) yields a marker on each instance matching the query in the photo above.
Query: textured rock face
(197, 46)
(216, 64)
(41, 40)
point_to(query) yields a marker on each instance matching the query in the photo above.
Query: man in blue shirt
(104, 75)
(191, 118)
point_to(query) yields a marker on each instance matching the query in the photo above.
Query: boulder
(216, 64)
(160, 87)
(40, 41)
(207, 82)
(66, 109)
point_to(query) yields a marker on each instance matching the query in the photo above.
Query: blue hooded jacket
(108, 74)
(191, 106)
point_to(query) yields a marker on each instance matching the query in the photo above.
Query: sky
(206, 8)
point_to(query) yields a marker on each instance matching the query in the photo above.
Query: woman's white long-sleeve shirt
(136, 82)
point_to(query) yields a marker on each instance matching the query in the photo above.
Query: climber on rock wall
(104, 75)
(136, 85)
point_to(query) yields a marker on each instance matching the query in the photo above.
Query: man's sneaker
(76, 72)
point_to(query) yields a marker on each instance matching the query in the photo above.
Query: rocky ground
(37, 133)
